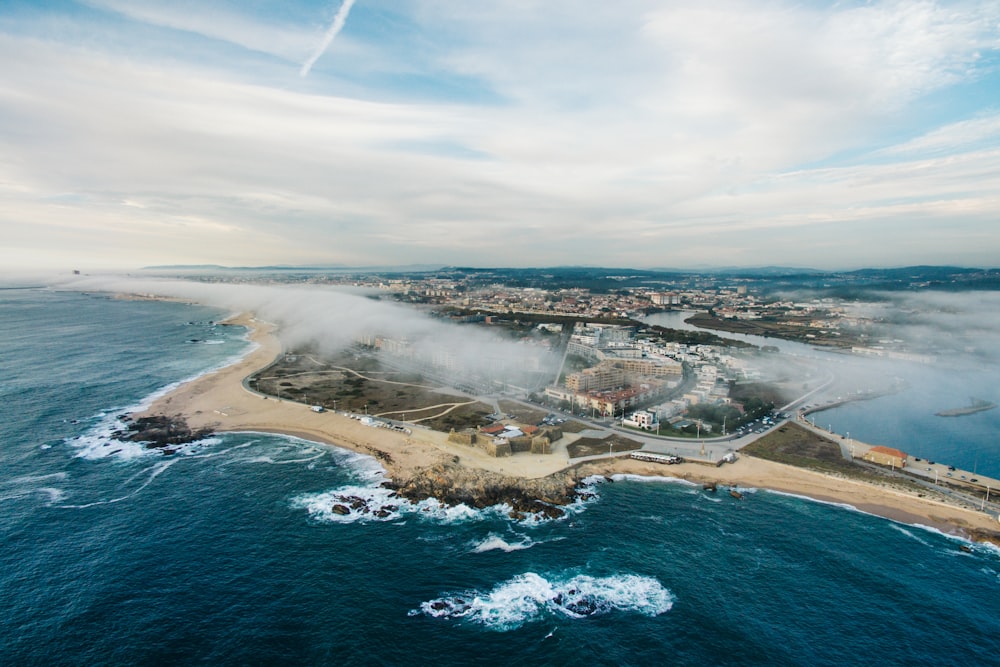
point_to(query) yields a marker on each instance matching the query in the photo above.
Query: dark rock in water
(160, 431)
(381, 513)
(987, 536)
(551, 512)
(341, 510)
(582, 607)
(440, 605)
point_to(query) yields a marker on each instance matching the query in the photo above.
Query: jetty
(977, 405)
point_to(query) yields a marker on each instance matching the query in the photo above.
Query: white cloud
(679, 125)
(289, 41)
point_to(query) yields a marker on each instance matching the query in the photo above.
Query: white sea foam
(497, 543)
(31, 479)
(593, 480)
(365, 502)
(908, 533)
(26, 486)
(372, 502)
(530, 596)
(153, 471)
(99, 441)
(831, 503)
(368, 500)
(656, 479)
(54, 495)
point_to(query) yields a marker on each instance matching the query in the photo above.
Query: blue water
(227, 553)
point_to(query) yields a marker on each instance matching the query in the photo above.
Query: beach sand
(219, 401)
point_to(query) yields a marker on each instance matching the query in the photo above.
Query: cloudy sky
(514, 133)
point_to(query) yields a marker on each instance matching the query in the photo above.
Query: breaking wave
(495, 542)
(368, 500)
(373, 502)
(529, 597)
(100, 440)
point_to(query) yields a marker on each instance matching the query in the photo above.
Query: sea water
(227, 552)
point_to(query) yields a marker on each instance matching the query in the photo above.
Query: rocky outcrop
(160, 432)
(452, 484)
(987, 536)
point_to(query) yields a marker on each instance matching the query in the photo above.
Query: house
(494, 429)
(644, 419)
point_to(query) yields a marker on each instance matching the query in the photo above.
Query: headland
(423, 463)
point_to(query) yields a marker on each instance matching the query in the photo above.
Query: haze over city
(830, 135)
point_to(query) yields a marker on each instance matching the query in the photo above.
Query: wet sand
(219, 401)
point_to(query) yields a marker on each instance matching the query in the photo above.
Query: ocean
(227, 554)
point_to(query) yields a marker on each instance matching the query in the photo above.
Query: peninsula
(423, 463)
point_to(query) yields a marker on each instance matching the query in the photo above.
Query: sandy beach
(219, 401)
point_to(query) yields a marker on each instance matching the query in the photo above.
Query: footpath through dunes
(424, 463)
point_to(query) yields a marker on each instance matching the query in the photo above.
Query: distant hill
(414, 268)
(845, 284)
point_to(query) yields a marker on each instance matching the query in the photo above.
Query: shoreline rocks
(452, 484)
(160, 432)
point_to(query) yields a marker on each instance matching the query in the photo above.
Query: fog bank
(331, 319)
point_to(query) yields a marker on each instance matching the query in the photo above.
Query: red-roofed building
(493, 429)
(886, 456)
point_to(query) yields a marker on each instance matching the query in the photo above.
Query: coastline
(219, 401)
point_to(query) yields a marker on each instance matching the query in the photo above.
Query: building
(664, 298)
(644, 419)
(603, 376)
(651, 367)
(886, 456)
